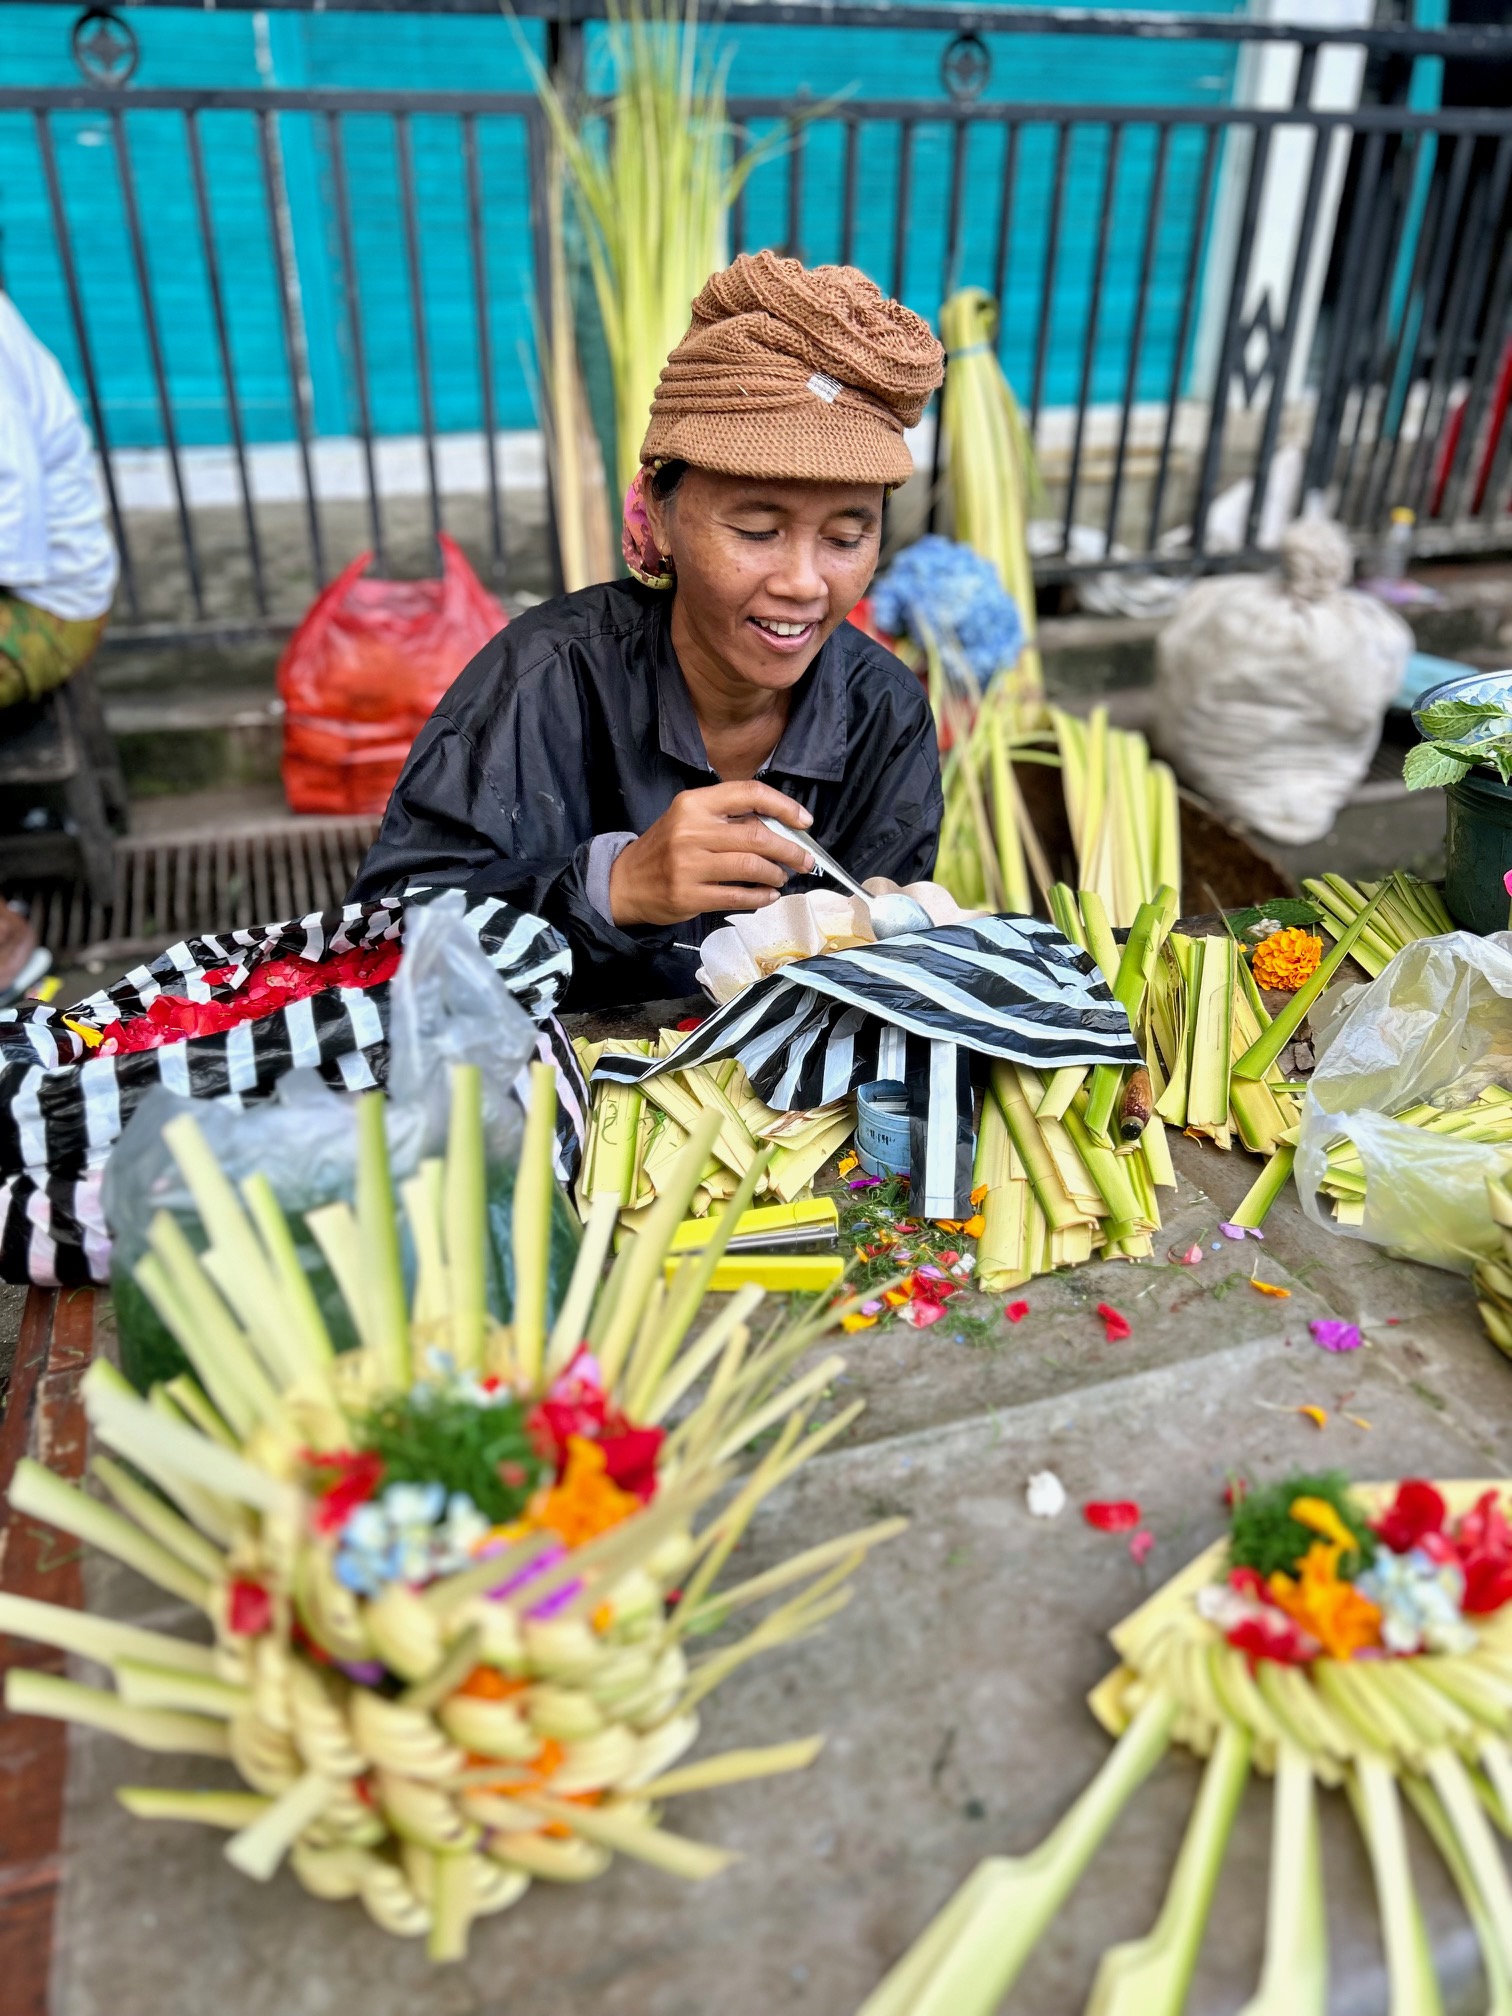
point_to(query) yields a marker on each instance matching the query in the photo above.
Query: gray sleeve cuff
(603, 851)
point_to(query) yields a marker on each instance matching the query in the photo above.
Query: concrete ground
(952, 1689)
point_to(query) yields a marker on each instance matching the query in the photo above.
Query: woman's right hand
(709, 852)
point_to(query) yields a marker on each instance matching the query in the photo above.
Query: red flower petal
(1112, 1515)
(249, 1609)
(1417, 1510)
(1016, 1311)
(1116, 1327)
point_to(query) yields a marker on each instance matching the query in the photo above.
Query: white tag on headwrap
(827, 389)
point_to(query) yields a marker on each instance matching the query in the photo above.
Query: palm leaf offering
(1406, 909)
(1121, 805)
(637, 1134)
(653, 173)
(1352, 1637)
(452, 1577)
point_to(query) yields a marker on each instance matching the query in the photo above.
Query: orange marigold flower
(587, 1501)
(1286, 959)
(1339, 1617)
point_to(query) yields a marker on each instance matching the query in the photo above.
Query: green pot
(1478, 850)
(1478, 837)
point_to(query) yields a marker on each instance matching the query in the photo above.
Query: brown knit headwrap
(808, 373)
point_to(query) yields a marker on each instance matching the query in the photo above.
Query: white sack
(1270, 689)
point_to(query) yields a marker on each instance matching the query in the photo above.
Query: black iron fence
(1209, 309)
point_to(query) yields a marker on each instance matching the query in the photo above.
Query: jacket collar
(813, 743)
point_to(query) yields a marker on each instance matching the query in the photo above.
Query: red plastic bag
(364, 670)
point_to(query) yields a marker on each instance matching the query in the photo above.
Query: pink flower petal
(1140, 1544)
(1334, 1334)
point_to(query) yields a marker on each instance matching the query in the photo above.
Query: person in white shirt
(58, 563)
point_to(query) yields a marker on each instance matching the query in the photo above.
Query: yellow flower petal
(1317, 1415)
(975, 1227)
(846, 1163)
(857, 1322)
(1270, 1288)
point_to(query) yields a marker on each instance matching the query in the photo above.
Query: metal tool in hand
(892, 916)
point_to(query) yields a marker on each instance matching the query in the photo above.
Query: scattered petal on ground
(1317, 1415)
(1016, 1311)
(1116, 1327)
(1270, 1288)
(1334, 1334)
(1046, 1495)
(864, 1183)
(979, 1195)
(1191, 1258)
(1140, 1544)
(846, 1163)
(1112, 1515)
(1232, 1231)
(857, 1322)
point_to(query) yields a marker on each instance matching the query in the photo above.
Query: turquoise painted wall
(482, 54)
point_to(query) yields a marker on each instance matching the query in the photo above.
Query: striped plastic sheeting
(62, 1107)
(919, 1009)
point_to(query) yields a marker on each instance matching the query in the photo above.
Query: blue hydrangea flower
(411, 1534)
(938, 591)
(1419, 1600)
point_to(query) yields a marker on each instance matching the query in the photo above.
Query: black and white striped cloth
(63, 1106)
(917, 1009)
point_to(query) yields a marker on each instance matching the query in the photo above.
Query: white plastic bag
(1270, 689)
(1436, 1027)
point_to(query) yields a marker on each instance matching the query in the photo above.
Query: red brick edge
(43, 1419)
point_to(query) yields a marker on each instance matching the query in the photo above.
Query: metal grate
(169, 887)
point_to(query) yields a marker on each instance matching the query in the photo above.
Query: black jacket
(575, 721)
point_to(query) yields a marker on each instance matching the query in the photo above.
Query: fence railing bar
(1343, 334)
(223, 345)
(1479, 43)
(1448, 120)
(1307, 67)
(155, 354)
(538, 144)
(905, 193)
(1005, 223)
(1207, 481)
(1047, 283)
(1283, 347)
(1430, 268)
(1498, 492)
(1206, 181)
(797, 130)
(290, 331)
(738, 149)
(478, 258)
(1153, 213)
(1389, 217)
(1496, 334)
(1089, 341)
(415, 274)
(848, 193)
(358, 359)
(950, 276)
(1486, 203)
(64, 239)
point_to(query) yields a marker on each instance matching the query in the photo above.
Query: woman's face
(765, 571)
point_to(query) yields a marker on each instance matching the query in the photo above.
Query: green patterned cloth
(38, 651)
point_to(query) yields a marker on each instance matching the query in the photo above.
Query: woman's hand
(705, 852)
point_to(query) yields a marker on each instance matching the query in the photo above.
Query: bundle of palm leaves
(452, 1577)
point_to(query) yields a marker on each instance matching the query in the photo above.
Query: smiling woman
(603, 761)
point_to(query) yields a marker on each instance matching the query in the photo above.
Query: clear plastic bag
(448, 1007)
(1435, 1028)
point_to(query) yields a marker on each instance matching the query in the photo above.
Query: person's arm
(23, 522)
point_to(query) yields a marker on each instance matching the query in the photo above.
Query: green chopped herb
(432, 1437)
(1264, 1536)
